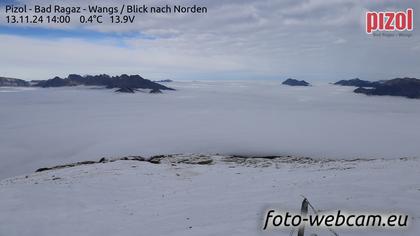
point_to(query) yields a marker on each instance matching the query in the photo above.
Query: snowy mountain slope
(227, 197)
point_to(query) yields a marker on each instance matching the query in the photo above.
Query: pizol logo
(389, 21)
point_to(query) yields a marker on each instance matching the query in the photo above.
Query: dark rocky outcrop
(11, 82)
(56, 82)
(404, 87)
(125, 90)
(155, 91)
(156, 159)
(294, 82)
(66, 166)
(122, 81)
(357, 83)
(81, 163)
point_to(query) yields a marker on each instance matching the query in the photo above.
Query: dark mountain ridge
(122, 81)
(404, 87)
(357, 83)
(12, 82)
(294, 82)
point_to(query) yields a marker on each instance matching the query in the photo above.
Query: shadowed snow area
(222, 198)
(47, 127)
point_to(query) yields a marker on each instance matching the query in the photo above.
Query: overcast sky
(238, 39)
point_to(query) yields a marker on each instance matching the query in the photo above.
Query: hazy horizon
(312, 81)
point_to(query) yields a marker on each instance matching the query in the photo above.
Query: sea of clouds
(44, 127)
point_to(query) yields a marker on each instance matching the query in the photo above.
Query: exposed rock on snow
(102, 160)
(201, 159)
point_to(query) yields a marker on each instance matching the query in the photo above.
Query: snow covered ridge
(206, 159)
(188, 195)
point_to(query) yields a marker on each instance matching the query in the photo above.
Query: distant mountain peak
(357, 83)
(12, 82)
(294, 82)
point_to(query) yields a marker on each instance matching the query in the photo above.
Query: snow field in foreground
(141, 198)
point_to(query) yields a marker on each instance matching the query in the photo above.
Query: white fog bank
(43, 127)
